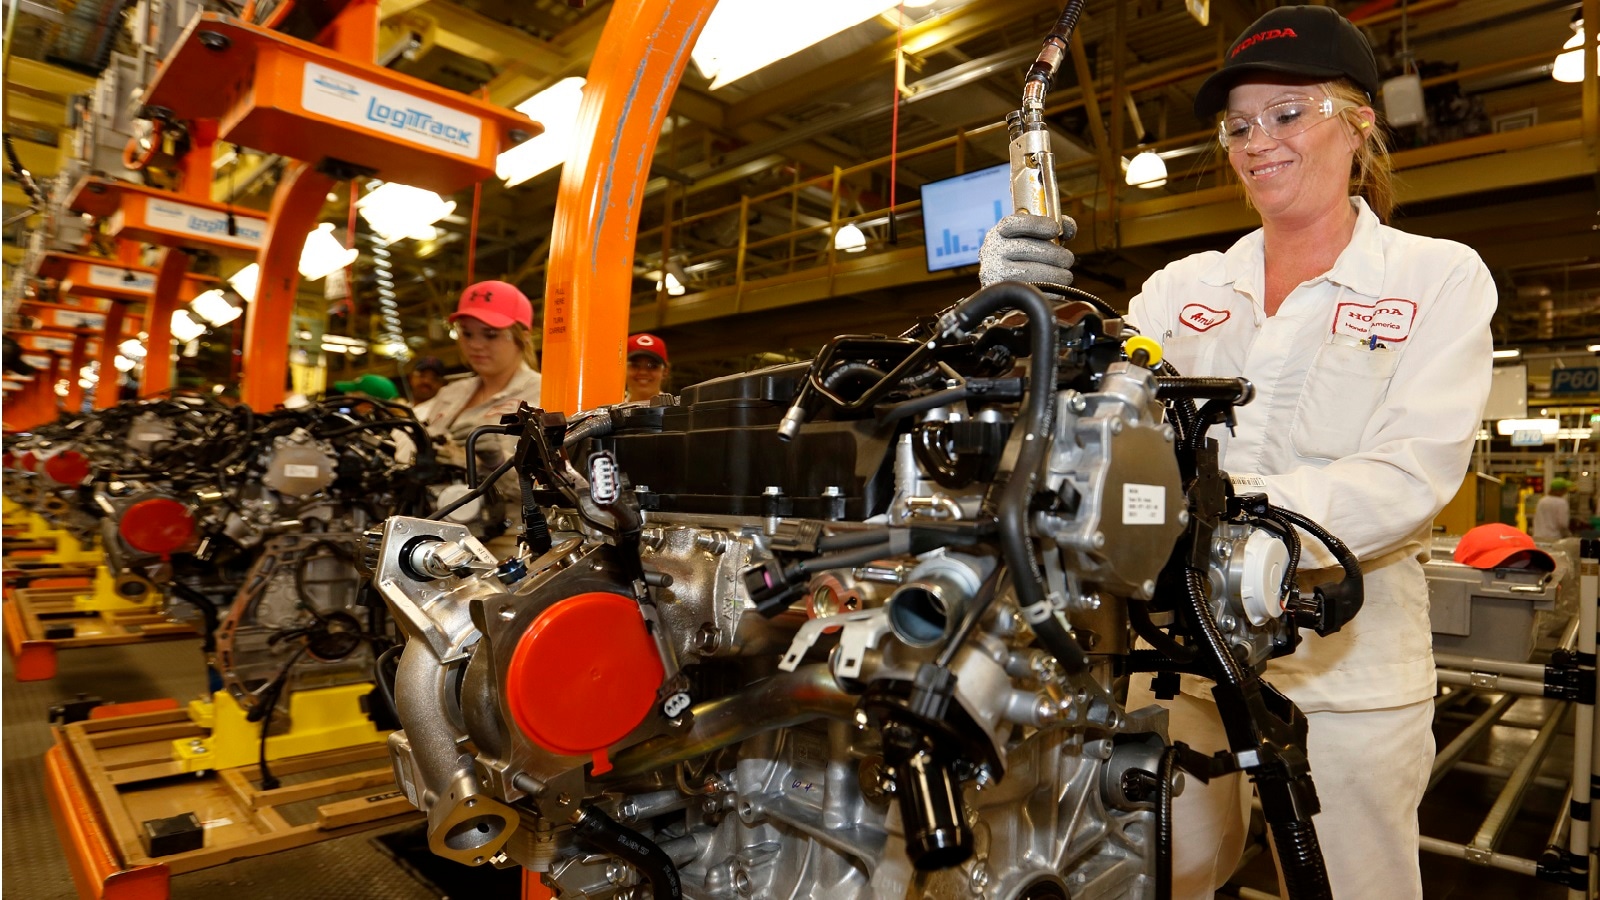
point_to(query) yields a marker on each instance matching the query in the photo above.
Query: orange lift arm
(635, 72)
(268, 318)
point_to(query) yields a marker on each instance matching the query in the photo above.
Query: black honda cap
(1299, 41)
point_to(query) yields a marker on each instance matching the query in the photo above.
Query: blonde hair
(524, 338)
(1371, 171)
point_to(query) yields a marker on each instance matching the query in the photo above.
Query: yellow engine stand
(71, 552)
(103, 596)
(9, 507)
(37, 529)
(320, 719)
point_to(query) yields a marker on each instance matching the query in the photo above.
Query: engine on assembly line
(859, 628)
(250, 521)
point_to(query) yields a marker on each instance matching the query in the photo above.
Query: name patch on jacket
(1388, 320)
(1201, 317)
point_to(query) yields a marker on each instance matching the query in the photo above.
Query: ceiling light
(90, 373)
(246, 280)
(123, 363)
(1568, 66)
(1594, 348)
(214, 308)
(556, 108)
(131, 348)
(1147, 170)
(670, 283)
(1506, 354)
(322, 254)
(850, 239)
(184, 327)
(398, 211)
(1512, 426)
(742, 36)
(62, 388)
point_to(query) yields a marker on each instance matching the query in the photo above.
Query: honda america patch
(1201, 317)
(1387, 321)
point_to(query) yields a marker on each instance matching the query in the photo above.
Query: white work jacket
(1370, 385)
(448, 414)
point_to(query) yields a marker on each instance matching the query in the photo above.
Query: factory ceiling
(750, 180)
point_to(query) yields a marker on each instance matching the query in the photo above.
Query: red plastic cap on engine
(69, 467)
(28, 461)
(157, 525)
(584, 674)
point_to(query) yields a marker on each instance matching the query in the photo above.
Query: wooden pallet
(42, 620)
(107, 776)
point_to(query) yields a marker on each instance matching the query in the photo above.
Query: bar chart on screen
(957, 212)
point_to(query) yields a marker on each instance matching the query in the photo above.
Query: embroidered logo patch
(1201, 317)
(1388, 321)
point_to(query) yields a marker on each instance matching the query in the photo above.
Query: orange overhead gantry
(328, 105)
(636, 70)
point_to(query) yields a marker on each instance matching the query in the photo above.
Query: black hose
(1228, 670)
(1055, 43)
(1036, 422)
(209, 617)
(424, 441)
(475, 493)
(592, 426)
(1347, 560)
(844, 559)
(472, 448)
(1164, 776)
(1300, 860)
(600, 831)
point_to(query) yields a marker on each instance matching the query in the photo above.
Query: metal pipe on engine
(465, 823)
(785, 699)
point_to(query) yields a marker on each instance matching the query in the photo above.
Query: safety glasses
(1278, 121)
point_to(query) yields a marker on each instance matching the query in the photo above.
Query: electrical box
(1402, 101)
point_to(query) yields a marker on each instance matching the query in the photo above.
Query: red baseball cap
(496, 304)
(1495, 546)
(648, 344)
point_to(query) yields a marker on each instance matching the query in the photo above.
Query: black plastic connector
(1558, 866)
(68, 711)
(1570, 675)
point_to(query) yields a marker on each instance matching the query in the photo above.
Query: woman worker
(1370, 352)
(494, 331)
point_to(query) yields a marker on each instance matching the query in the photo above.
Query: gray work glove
(1019, 248)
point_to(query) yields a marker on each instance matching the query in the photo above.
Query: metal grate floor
(348, 868)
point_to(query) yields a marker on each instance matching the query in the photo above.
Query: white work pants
(1370, 768)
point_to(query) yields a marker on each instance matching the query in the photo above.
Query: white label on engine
(1248, 481)
(1144, 504)
(294, 471)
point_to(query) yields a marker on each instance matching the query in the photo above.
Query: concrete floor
(357, 868)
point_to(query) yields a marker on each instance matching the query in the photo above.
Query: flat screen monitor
(957, 212)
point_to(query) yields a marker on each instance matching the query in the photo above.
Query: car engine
(861, 627)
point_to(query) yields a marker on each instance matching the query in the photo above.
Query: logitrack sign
(337, 95)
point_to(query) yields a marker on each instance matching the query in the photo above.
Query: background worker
(1347, 328)
(647, 367)
(425, 380)
(494, 331)
(1552, 516)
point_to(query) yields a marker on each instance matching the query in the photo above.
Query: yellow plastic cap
(1150, 346)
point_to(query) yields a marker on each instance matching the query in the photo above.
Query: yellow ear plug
(1142, 351)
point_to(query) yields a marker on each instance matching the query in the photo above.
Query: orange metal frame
(91, 855)
(636, 69)
(300, 99)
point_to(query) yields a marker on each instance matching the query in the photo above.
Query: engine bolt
(616, 872)
(1097, 540)
(1227, 622)
(980, 876)
(1076, 403)
(1116, 426)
